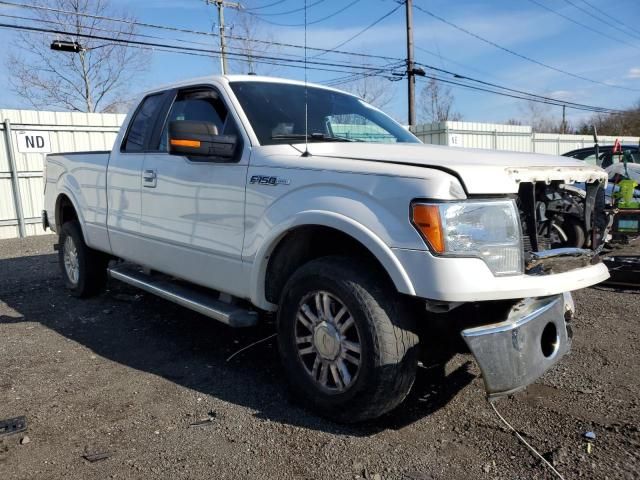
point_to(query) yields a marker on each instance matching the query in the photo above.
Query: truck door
(193, 209)
(123, 177)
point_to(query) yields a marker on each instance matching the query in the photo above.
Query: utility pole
(221, 4)
(564, 121)
(411, 73)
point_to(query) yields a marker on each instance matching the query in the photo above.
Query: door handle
(150, 178)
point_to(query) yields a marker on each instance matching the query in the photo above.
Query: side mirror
(200, 139)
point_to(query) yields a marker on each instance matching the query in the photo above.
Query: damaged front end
(561, 232)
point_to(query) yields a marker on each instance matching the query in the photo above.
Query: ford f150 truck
(235, 196)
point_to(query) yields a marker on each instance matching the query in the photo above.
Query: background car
(606, 156)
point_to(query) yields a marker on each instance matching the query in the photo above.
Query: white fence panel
(65, 132)
(515, 138)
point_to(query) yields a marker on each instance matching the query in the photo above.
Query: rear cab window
(142, 124)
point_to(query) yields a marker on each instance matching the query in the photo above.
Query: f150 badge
(266, 180)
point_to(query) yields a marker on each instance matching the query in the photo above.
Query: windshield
(276, 113)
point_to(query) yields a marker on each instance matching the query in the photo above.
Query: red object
(617, 146)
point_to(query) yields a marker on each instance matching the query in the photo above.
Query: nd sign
(33, 141)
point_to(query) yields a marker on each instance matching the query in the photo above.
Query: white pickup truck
(361, 240)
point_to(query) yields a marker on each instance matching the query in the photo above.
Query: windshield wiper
(313, 137)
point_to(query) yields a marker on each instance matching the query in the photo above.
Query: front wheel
(347, 340)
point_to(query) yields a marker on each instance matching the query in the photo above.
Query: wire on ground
(544, 460)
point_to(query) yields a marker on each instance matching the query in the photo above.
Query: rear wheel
(84, 270)
(347, 340)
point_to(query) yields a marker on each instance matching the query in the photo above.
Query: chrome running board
(191, 298)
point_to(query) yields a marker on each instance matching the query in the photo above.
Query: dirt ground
(128, 375)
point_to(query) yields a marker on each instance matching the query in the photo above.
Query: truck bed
(85, 187)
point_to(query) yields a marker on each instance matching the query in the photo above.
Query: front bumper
(454, 279)
(515, 352)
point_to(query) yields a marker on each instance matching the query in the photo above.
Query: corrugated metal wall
(73, 132)
(68, 132)
(516, 138)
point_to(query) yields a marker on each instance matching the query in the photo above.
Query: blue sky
(516, 24)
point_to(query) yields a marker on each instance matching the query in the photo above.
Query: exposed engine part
(556, 216)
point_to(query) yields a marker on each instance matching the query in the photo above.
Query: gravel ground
(128, 374)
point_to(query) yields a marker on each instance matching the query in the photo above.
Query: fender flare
(74, 203)
(382, 252)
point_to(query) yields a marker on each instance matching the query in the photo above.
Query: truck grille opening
(554, 215)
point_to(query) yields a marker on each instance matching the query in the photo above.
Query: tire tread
(395, 336)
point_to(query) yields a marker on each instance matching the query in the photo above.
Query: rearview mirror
(200, 139)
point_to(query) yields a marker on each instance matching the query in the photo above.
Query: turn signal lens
(426, 218)
(185, 143)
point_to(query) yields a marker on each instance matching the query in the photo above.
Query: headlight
(489, 230)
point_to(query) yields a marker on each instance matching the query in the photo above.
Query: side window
(591, 159)
(142, 123)
(204, 105)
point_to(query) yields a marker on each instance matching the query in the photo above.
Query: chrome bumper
(515, 352)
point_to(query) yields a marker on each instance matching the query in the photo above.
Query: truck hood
(480, 171)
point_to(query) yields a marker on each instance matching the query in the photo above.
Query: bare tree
(625, 123)
(97, 78)
(251, 40)
(540, 117)
(436, 103)
(372, 89)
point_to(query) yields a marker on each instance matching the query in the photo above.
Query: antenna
(306, 90)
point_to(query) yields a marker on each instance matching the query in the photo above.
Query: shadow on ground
(149, 334)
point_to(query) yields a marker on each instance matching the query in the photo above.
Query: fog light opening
(550, 340)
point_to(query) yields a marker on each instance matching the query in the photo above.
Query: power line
(359, 76)
(194, 32)
(99, 29)
(449, 60)
(532, 96)
(587, 27)
(632, 30)
(524, 57)
(267, 5)
(331, 15)
(353, 37)
(519, 97)
(282, 60)
(279, 61)
(130, 34)
(290, 11)
(203, 53)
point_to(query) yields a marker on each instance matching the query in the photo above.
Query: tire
(573, 231)
(382, 327)
(85, 271)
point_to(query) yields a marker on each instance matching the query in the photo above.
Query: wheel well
(307, 243)
(65, 211)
